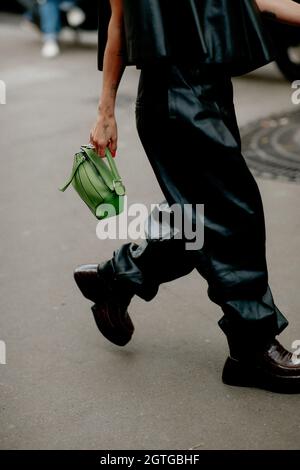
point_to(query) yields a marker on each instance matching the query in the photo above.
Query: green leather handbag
(99, 185)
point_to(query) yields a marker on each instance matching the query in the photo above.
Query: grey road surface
(64, 386)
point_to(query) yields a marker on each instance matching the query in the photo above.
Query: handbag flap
(100, 165)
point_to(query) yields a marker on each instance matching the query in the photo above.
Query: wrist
(106, 108)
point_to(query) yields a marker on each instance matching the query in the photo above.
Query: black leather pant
(187, 125)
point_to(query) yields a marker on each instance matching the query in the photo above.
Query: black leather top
(227, 32)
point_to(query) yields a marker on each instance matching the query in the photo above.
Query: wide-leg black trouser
(187, 125)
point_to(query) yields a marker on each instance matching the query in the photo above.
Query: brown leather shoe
(271, 369)
(97, 284)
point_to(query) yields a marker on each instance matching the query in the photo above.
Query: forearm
(286, 11)
(113, 68)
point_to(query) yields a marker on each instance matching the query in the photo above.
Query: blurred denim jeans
(50, 15)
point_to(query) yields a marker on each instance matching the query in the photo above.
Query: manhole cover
(271, 147)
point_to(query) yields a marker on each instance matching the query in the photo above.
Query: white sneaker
(75, 17)
(50, 49)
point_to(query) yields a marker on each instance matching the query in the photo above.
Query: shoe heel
(235, 373)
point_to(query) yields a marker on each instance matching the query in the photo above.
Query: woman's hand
(104, 134)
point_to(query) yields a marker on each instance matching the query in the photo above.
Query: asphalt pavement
(64, 386)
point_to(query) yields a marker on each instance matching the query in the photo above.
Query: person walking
(187, 53)
(50, 18)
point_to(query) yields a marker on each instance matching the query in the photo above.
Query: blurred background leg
(50, 25)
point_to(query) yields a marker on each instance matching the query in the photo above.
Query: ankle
(245, 349)
(120, 288)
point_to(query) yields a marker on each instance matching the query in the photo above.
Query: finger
(101, 148)
(112, 150)
(92, 136)
(95, 146)
(91, 139)
(113, 147)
